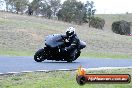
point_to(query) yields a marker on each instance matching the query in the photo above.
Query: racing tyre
(38, 57)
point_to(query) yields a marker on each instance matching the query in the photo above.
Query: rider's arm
(73, 44)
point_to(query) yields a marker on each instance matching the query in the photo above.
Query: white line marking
(41, 70)
(13, 72)
(1, 73)
(100, 68)
(106, 68)
(66, 69)
(26, 71)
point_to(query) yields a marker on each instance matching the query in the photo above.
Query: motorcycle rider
(71, 42)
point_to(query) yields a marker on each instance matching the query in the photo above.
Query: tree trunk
(89, 21)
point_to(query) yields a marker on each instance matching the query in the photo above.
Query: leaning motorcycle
(52, 50)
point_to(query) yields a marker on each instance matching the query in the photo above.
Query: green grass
(16, 53)
(57, 79)
(23, 24)
(105, 55)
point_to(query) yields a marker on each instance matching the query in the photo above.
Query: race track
(24, 63)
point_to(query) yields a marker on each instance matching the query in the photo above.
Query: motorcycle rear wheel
(74, 56)
(69, 61)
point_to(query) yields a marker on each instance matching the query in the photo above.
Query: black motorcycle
(52, 50)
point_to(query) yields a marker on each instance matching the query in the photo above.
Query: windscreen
(54, 40)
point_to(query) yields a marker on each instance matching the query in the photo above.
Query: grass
(105, 55)
(57, 79)
(23, 24)
(15, 53)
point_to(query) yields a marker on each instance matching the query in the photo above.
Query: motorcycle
(52, 50)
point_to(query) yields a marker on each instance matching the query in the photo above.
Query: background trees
(121, 27)
(90, 10)
(45, 8)
(16, 5)
(69, 11)
(78, 12)
(1, 3)
(34, 5)
(55, 6)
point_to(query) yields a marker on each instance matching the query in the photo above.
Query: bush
(121, 27)
(97, 22)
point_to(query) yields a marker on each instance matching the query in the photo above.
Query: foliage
(97, 22)
(45, 8)
(16, 5)
(71, 10)
(90, 10)
(30, 10)
(75, 11)
(34, 5)
(1, 3)
(121, 27)
(55, 5)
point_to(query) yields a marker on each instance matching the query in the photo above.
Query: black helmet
(70, 31)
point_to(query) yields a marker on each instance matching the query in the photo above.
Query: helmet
(70, 31)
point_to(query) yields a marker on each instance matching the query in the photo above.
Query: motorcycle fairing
(54, 40)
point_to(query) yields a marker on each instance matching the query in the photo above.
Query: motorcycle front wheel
(39, 55)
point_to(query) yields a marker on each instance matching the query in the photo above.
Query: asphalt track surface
(24, 63)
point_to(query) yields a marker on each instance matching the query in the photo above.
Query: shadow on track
(58, 62)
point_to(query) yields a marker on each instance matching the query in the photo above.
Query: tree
(67, 10)
(45, 9)
(1, 4)
(79, 13)
(35, 4)
(50, 7)
(71, 11)
(48, 11)
(97, 22)
(90, 10)
(7, 2)
(55, 6)
(30, 10)
(20, 5)
(60, 15)
(16, 5)
(121, 27)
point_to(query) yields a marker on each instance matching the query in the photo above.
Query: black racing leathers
(71, 43)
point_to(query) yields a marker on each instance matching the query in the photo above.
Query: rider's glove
(63, 50)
